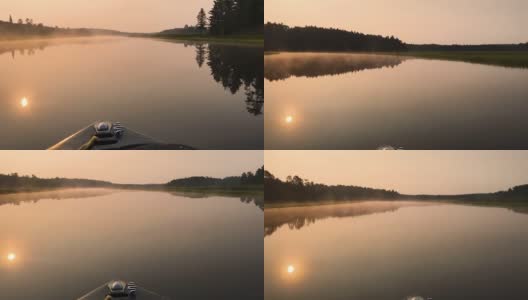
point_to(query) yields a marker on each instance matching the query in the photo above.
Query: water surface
(207, 96)
(372, 101)
(70, 242)
(395, 250)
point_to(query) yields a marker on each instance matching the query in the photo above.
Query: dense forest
(16, 183)
(247, 178)
(281, 37)
(226, 17)
(298, 190)
(28, 29)
(235, 16)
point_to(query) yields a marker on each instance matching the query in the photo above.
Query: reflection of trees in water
(72, 193)
(59, 194)
(22, 49)
(236, 68)
(30, 47)
(299, 217)
(285, 65)
(200, 54)
(257, 200)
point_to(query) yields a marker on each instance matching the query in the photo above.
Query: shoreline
(509, 59)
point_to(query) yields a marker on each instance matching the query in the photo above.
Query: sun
(11, 256)
(291, 269)
(24, 102)
(288, 119)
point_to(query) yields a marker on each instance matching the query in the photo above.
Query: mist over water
(376, 101)
(179, 247)
(438, 251)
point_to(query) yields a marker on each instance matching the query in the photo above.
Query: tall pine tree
(202, 20)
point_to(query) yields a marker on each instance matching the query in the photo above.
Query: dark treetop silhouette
(236, 16)
(280, 37)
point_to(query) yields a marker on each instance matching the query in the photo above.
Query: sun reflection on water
(24, 102)
(11, 257)
(291, 269)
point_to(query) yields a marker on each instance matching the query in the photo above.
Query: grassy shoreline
(517, 59)
(511, 204)
(235, 190)
(252, 40)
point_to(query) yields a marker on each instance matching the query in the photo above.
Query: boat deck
(76, 140)
(141, 294)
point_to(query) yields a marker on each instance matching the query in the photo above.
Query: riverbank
(511, 59)
(253, 40)
(231, 190)
(514, 204)
(514, 59)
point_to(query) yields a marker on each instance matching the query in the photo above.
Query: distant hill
(296, 189)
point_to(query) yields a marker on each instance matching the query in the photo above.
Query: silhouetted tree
(231, 16)
(10, 19)
(202, 20)
(20, 21)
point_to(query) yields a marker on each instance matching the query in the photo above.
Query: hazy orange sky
(414, 172)
(124, 15)
(130, 166)
(413, 21)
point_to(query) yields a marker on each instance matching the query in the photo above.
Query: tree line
(490, 47)
(233, 16)
(29, 28)
(15, 182)
(282, 37)
(246, 178)
(297, 189)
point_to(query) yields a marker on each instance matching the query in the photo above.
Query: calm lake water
(207, 96)
(368, 101)
(395, 250)
(69, 243)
